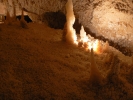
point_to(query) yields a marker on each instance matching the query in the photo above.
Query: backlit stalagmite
(71, 33)
(83, 36)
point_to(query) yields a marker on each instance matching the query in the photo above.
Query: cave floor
(36, 65)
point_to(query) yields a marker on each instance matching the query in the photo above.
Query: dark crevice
(26, 17)
(55, 20)
(77, 26)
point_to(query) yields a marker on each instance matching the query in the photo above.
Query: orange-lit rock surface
(36, 64)
(109, 18)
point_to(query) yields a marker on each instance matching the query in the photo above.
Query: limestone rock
(109, 18)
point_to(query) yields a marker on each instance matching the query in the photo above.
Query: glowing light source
(95, 45)
(90, 43)
(83, 36)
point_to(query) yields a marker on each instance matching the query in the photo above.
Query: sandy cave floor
(36, 65)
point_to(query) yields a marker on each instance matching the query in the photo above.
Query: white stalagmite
(98, 47)
(83, 35)
(95, 75)
(71, 33)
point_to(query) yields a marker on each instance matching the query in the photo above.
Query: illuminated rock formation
(71, 33)
(109, 18)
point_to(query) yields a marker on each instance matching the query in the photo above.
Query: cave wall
(112, 19)
(34, 8)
